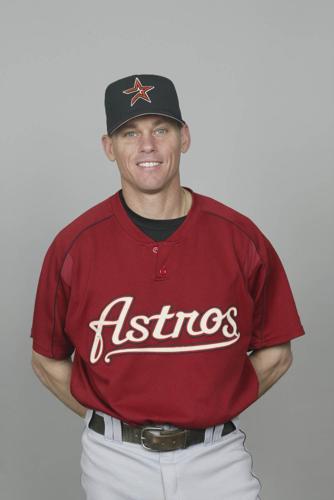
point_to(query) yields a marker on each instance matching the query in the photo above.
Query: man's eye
(160, 131)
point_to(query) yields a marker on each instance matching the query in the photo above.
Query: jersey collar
(136, 233)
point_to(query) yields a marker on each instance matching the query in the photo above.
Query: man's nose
(147, 142)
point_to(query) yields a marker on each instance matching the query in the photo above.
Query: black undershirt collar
(157, 229)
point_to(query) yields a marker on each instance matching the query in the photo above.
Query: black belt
(166, 440)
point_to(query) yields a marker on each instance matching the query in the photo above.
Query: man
(161, 292)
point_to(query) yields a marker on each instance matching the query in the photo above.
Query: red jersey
(160, 330)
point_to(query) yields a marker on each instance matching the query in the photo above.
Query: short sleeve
(51, 303)
(275, 316)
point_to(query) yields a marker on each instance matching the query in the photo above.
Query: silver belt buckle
(178, 437)
(142, 436)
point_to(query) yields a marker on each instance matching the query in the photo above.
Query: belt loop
(108, 427)
(217, 433)
(117, 429)
(208, 435)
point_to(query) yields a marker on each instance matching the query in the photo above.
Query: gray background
(255, 83)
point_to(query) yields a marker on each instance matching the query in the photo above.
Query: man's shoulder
(93, 216)
(229, 215)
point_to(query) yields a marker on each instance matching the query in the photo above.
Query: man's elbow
(48, 368)
(286, 356)
(277, 356)
(39, 370)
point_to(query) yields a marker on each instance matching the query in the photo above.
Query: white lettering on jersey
(139, 333)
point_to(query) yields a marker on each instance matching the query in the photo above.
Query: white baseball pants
(220, 468)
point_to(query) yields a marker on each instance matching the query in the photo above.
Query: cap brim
(143, 114)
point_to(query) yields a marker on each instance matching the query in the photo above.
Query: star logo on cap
(141, 91)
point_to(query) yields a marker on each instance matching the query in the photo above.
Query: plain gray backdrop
(255, 84)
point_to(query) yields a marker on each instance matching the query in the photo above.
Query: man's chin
(149, 187)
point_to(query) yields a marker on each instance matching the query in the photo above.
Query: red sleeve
(52, 296)
(275, 316)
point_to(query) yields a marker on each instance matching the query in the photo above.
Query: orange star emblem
(141, 91)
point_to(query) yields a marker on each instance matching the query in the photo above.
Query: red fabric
(160, 330)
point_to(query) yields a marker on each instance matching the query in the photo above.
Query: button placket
(160, 267)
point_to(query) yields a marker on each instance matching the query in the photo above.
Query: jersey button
(155, 249)
(163, 271)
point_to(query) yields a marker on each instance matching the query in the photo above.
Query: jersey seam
(59, 275)
(50, 352)
(264, 291)
(279, 339)
(237, 226)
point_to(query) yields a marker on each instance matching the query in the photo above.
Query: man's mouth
(149, 164)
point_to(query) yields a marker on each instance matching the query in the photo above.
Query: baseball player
(160, 293)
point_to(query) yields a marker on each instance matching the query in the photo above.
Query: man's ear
(185, 138)
(108, 146)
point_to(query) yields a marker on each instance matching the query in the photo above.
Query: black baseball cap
(139, 95)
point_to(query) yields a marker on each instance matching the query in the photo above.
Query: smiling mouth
(149, 164)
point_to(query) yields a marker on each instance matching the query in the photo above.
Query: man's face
(150, 138)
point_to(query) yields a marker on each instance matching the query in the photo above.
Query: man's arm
(56, 376)
(270, 363)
